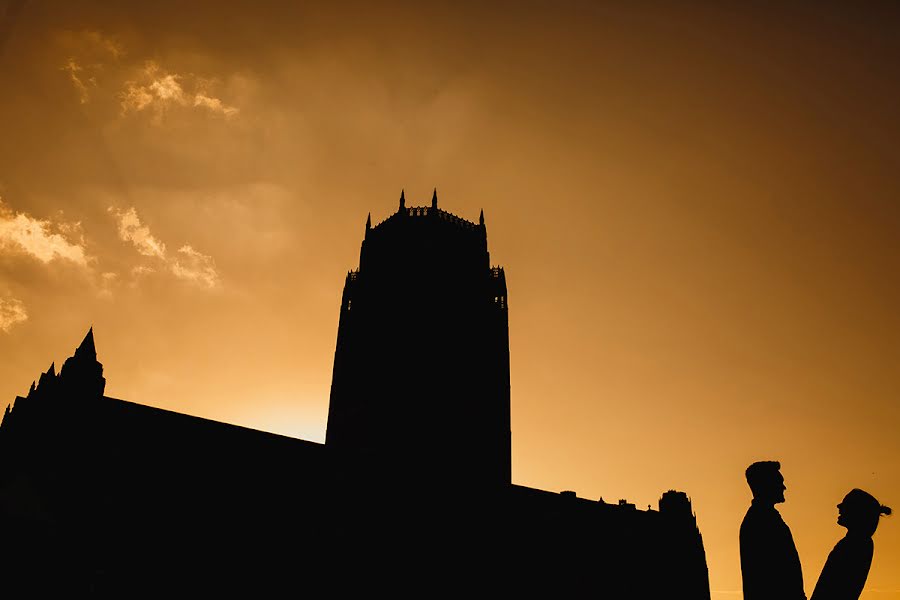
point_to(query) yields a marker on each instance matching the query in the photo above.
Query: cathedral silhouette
(411, 493)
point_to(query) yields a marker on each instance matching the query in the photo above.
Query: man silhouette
(770, 564)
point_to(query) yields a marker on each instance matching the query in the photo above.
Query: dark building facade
(421, 368)
(410, 494)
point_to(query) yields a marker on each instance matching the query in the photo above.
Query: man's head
(766, 482)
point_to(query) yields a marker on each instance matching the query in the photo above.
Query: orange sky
(698, 211)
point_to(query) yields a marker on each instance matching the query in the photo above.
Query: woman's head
(859, 512)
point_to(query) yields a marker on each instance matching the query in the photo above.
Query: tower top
(402, 200)
(434, 199)
(87, 347)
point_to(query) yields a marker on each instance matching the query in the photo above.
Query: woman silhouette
(847, 567)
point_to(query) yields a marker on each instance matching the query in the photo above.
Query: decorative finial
(434, 199)
(481, 217)
(369, 222)
(402, 200)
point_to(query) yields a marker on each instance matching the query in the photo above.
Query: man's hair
(760, 473)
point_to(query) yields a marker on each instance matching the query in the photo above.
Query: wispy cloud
(81, 86)
(97, 68)
(41, 239)
(12, 312)
(132, 230)
(157, 91)
(187, 263)
(215, 105)
(94, 46)
(89, 51)
(194, 266)
(107, 282)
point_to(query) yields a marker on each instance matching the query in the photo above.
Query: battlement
(428, 212)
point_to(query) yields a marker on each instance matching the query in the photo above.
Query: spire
(402, 200)
(87, 345)
(369, 222)
(434, 199)
(481, 217)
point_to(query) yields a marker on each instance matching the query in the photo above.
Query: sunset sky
(698, 210)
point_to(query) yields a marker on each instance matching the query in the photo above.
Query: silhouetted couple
(769, 561)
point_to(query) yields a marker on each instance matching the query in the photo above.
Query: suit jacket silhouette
(770, 564)
(844, 574)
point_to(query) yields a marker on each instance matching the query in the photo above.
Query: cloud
(187, 263)
(88, 52)
(139, 270)
(135, 98)
(96, 68)
(215, 105)
(194, 266)
(12, 312)
(98, 43)
(108, 280)
(94, 46)
(43, 240)
(131, 230)
(73, 69)
(157, 91)
(168, 89)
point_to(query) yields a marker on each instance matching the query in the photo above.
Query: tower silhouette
(421, 366)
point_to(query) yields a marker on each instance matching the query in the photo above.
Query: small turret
(434, 199)
(481, 217)
(402, 200)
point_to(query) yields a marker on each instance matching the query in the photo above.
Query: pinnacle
(87, 345)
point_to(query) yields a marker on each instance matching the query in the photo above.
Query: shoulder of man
(762, 517)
